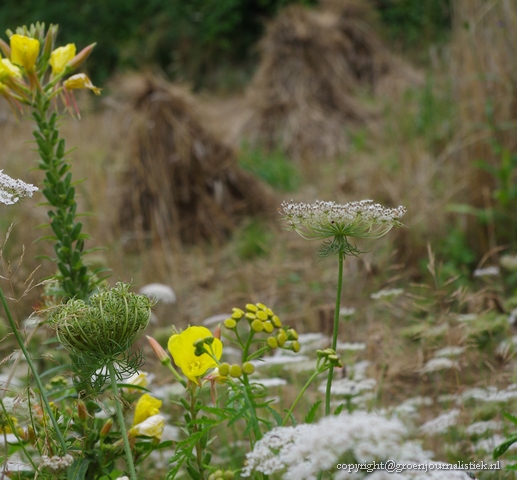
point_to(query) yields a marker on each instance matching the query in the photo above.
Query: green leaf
(309, 418)
(499, 450)
(339, 409)
(510, 417)
(78, 469)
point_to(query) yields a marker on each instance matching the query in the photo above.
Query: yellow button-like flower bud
(24, 51)
(272, 343)
(268, 327)
(257, 325)
(276, 321)
(251, 308)
(248, 368)
(60, 57)
(224, 369)
(230, 323)
(261, 315)
(235, 371)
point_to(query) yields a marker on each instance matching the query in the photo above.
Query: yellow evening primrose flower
(150, 427)
(7, 69)
(24, 51)
(146, 407)
(80, 80)
(182, 349)
(60, 57)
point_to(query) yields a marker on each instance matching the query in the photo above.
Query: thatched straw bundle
(183, 183)
(314, 63)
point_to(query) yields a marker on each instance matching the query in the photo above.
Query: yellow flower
(146, 407)
(60, 57)
(24, 51)
(150, 427)
(7, 69)
(183, 352)
(138, 379)
(80, 80)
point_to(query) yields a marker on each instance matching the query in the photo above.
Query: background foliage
(196, 40)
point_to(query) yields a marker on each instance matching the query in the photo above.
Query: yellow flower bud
(24, 51)
(261, 315)
(276, 321)
(281, 338)
(292, 334)
(248, 368)
(230, 323)
(257, 325)
(60, 57)
(295, 346)
(251, 308)
(251, 316)
(272, 343)
(261, 306)
(224, 369)
(268, 327)
(235, 371)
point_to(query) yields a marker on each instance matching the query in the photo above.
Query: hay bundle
(183, 183)
(314, 63)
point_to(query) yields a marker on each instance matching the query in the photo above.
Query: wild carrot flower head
(184, 352)
(334, 222)
(12, 190)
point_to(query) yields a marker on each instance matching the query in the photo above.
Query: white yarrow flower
(439, 363)
(387, 294)
(487, 272)
(12, 190)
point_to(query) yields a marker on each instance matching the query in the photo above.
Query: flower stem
(335, 332)
(300, 394)
(37, 378)
(122, 425)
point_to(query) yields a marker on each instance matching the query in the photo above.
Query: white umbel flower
(322, 220)
(12, 190)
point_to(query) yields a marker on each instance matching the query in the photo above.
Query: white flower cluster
(439, 363)
(322, 220)
(303, 451)
(387, 294)
(441, 423)
(509, 262)
(487, 272)
(56, 463)
(12, 190)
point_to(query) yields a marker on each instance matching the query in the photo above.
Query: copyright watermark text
(391, 466)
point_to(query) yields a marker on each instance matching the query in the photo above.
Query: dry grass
(304, 97)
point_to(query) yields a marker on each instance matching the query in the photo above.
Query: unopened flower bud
(261, 306)
(235, 371)
(224, 369)
(159, 351)
(261, 315)
(268, 327)
(295, 346)
(257, 325)
(292, 334)
(6, 49)
(217, 333)
(31, 434)
(237, 313)
(248, 368)
(80, 58)
(82, 413)
(276, 321)
(272, 343)
(281, 338)
(209, 340)
(106, 428)
(228, 475)
(251, 308)
(250, 316)
(230, 323)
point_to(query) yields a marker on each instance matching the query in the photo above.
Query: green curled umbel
(102, 330)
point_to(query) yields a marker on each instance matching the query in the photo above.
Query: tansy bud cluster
(236, 370)
(221, 475)
(329, 357)
(261, 319)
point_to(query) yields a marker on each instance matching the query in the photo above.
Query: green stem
(122, 425)
(199, 448)
(302, 391)
(335, 332)
(43, 394)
